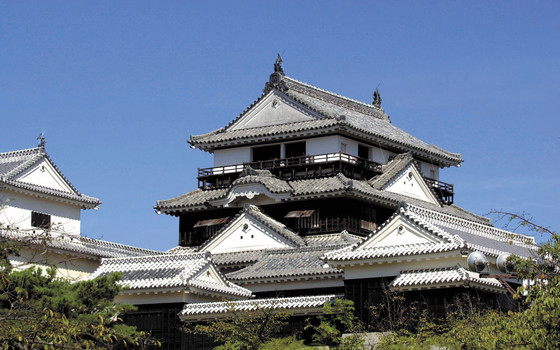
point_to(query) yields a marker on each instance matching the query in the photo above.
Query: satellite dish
(502, 263)
(477, 261)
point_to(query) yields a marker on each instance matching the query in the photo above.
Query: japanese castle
(312, 196)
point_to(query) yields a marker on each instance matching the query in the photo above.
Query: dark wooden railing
(443, 189)
(337, 224)
(293, 167)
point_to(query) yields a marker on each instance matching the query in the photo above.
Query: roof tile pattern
(296, 305)
(347, 254)
(488, 239)
(340, 113)
(286, 264)
(264, 219)
(168, 271)
(15, 163)
(94, 248)
(442, 277)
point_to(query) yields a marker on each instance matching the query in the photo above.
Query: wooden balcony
(320, 165)
(442, 189)
(339, 224)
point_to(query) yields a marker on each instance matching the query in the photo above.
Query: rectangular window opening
(363, 151)
(266, 153)
(40, 220)
(295, 149)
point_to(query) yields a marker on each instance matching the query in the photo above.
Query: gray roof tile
(288, 263)
(340, 114)
(15, 163)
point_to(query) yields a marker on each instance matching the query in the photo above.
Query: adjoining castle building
(41, 210)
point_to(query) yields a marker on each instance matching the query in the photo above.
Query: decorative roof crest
(376, 98)
(41, 139)
(275, 81)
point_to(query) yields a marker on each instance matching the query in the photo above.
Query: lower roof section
(296, 306)
(444, 278)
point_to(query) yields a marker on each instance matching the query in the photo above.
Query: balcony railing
(294, 167)
(443, 189)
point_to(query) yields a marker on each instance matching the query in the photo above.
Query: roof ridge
(22, 152)
(333, 94)
(144, 258)
(475, 227)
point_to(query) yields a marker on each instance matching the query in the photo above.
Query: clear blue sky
(118, 87)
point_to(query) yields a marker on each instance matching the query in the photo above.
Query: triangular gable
(210, 281)
(44, 174)
(274, 109)
(411, 183)
(398, 231)
(246, 233)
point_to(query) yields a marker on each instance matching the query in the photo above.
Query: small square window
(40, 220)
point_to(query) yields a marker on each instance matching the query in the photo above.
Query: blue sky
(118, 88)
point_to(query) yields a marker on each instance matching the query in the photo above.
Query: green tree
(40, 311)
(245, 329)
(337, 318)
(536, 325)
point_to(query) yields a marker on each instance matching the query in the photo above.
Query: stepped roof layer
(171, 271)
(308, 305)
(91, 248)
(16, 163)
(333, 114)
(287, 264)
(443, 278)
(454, 233)
(324, 187)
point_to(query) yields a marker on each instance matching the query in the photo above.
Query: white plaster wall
(255, 237)
(69, 267)
(294, 285)
(407, 263)
(408, 186)
(323, 145)
(44, 174)
(161, 297)
(229, 156)
(65, 218)
(426, 167)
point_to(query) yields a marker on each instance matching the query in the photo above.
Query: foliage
(40, 311)
(245, 329)
(536, 325)
(337, 318)
(287, 343)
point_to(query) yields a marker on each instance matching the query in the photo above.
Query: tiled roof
(391, 169)
(315, 188)
(184, 271)
(236, 258)
(263, 177)
(286, 264)
(340, 114)
(195, 198)
(332, 239)
(458, 233)
(346, 254)
(486, 238)
(264, 219)
(15, 163)
(307, 305)
(94, 248)
(443, 277)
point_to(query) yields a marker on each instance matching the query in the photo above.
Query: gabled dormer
(36, 195)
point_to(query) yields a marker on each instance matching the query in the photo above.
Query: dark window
(295, 149)
(40, 220)
(266, 153)
(363, 151)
